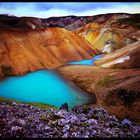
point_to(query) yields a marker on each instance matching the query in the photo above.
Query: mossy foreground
(39, 105)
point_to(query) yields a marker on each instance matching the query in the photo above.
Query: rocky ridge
(68, 22)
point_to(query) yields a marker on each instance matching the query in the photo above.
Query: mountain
(67, 22)
(114, 81)
(108, 34)
(25, 50)
(29, 43)
(100, 35)
(126, 57)
(20, 22)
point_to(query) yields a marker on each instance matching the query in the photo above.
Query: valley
(92, 63)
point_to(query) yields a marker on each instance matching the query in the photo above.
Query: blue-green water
(43, 86)
(87, 61)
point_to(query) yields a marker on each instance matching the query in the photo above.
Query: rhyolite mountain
(28, 44)
(106, 32)
(126, 57)
(28, 50)
(67, 22)
(113, 33)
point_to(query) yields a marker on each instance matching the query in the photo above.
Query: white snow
(122, 59)
(107, 48)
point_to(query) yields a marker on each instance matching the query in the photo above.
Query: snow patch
(123, 59)
(108, 48)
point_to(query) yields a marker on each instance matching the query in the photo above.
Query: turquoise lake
(43, 86)
(87, 61)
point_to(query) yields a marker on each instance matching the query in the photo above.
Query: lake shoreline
(54, 89)
(116, 90)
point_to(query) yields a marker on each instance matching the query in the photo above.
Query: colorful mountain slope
(110, 32)
(126, 57)
(27, 50)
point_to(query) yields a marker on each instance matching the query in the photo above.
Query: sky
(49, 9)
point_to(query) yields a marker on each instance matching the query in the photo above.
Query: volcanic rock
(28, 50)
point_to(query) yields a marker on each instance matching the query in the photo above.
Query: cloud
(49, 9)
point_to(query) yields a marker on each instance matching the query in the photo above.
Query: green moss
(105, 81)
(7, 100)
(39, 105)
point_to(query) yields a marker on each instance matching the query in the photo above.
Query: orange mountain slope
(28, 50)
